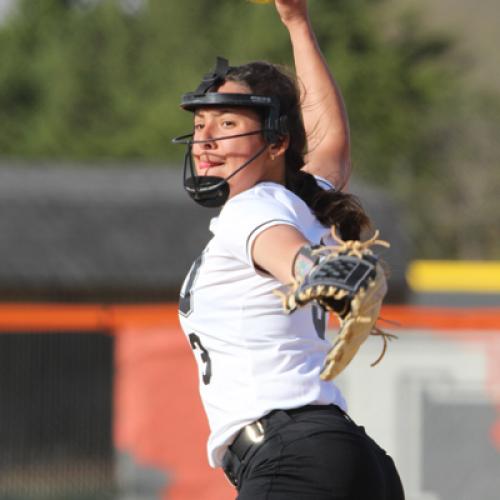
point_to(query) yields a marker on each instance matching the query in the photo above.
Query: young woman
(277, 429)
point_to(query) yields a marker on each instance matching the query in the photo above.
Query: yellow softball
(260, 1)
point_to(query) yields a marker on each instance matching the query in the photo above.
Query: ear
(279, 148)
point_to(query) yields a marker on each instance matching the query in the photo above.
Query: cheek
(250, 147)
(251, 174)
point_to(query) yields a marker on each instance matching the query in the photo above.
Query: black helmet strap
(215, 78)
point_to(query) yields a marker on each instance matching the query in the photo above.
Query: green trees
(100, 80)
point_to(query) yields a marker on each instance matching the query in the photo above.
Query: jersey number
(319, 320)
(185, 301)
(196, 344)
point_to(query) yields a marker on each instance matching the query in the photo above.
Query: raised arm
(323, 109)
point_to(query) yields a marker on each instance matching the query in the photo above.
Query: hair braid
(331, 208)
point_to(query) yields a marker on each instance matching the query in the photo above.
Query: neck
(275, 171)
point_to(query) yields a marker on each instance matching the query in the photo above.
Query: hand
(291, 11)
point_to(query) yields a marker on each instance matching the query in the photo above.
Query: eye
(198, 126)
(228, 123)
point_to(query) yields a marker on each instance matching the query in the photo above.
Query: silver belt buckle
(255, 432)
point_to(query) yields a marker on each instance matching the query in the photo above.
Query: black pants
(315, 453)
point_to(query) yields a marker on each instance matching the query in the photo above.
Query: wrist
(297, 23)
(305, 259)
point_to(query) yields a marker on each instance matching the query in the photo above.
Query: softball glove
(348, 280)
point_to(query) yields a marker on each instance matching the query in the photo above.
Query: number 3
(205, 357)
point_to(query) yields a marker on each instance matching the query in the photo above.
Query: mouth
(204, 164)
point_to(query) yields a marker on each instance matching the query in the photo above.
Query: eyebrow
(215, 111)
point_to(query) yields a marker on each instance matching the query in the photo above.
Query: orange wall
(158, 414)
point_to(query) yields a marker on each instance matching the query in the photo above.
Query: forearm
(323, 110)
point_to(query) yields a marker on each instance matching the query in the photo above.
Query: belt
(252, 436)
(245, 444)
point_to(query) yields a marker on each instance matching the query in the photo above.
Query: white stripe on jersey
(252, 357)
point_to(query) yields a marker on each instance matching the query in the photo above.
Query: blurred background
(98, 388)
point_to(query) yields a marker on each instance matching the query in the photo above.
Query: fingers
(291, 11)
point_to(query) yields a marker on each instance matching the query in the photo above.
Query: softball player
(278, 431)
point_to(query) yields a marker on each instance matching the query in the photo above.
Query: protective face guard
(212, 191)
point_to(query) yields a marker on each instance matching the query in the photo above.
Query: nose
(208, 144)
(201, 147)
(206, 135)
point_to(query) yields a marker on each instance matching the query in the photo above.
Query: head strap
(215, 78)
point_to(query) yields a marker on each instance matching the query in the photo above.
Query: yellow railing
(454, 276)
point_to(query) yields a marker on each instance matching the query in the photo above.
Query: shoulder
(265, 203)
(266, 194)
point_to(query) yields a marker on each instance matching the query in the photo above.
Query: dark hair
(332, 207)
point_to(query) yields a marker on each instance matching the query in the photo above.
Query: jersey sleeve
(245, 217)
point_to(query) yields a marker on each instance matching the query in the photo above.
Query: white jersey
(252, 357)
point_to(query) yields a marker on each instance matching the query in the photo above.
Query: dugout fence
(56, 415)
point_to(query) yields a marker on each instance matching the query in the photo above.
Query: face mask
(213, 191)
